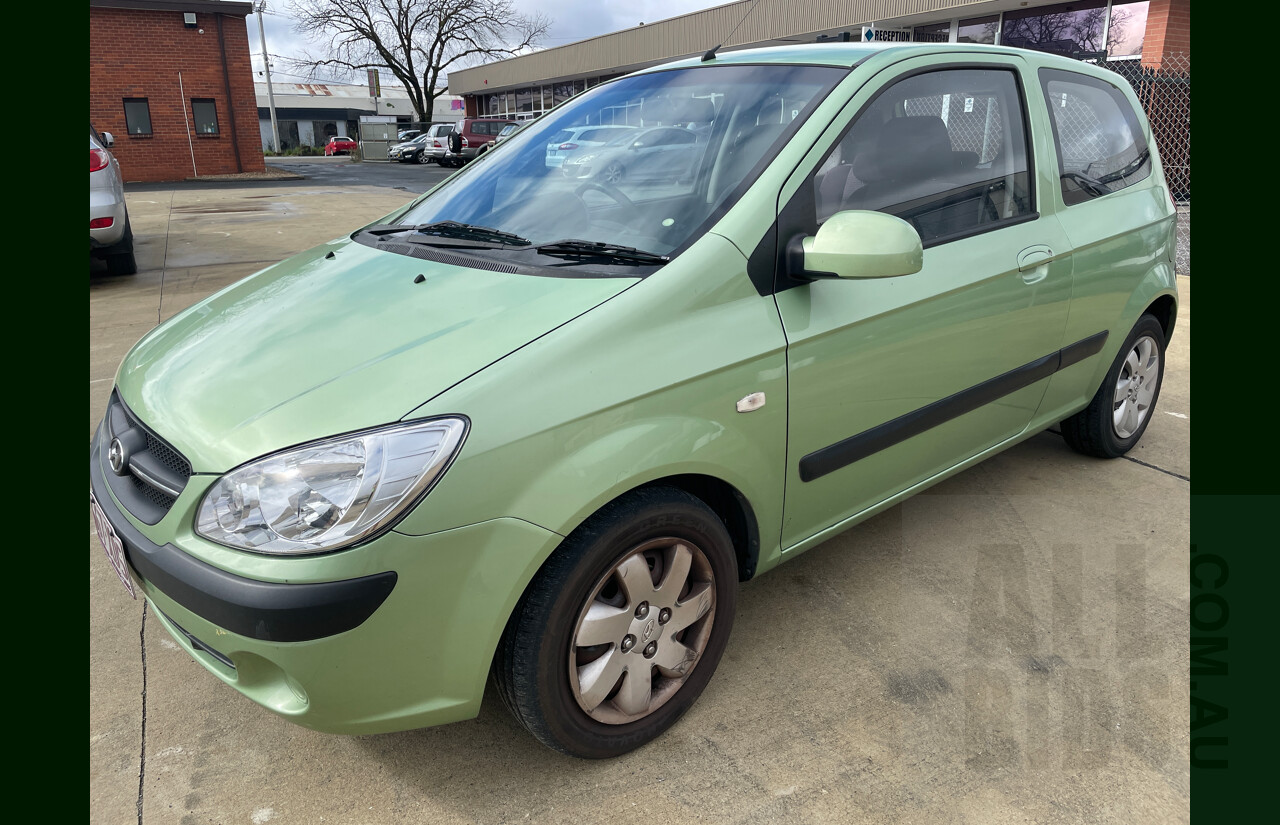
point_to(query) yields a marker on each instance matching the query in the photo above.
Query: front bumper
(396, 634)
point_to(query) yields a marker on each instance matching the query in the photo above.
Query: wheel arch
(730, 505)
(1157, 294)
(1165, 310)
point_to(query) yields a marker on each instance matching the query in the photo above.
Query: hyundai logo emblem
(117, 458)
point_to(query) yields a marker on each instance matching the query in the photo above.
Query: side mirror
(858, 244)
(108, 139)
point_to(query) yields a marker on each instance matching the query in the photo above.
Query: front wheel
(1121, 409)
(623, 627)
(612, 174)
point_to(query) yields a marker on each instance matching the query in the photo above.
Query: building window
(978, 30)
(1069, 29)
(1127, 27)
(932, 33)
(205, 114)
(137, 116)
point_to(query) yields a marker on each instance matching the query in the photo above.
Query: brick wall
(137, 53)
(1168, 31)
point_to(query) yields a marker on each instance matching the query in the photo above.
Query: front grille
(155, 473)
(159, 498)
(168, 456)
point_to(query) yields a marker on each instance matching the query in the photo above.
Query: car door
(894, 381)
(646, 161)
(673, 153)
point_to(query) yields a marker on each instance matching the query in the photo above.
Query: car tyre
(613, 173)
(418, 158)
(1121, 409)
(623, 627)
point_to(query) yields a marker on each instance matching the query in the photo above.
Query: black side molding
(857, 447)
(270, 611)
(1081, 350)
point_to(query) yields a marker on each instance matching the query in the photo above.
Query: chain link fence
(1165, 93)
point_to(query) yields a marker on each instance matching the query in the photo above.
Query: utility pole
(266, 66)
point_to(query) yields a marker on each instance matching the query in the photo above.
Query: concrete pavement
(1008, 647)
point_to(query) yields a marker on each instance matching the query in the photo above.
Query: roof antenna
(711, 53)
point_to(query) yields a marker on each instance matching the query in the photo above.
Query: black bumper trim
(269, 611)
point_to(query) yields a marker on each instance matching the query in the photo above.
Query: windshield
(698, 135)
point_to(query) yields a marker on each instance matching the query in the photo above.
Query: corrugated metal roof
(694, 33)
(340, 96)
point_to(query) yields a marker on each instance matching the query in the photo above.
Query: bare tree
(417, 40)
(1061, 32)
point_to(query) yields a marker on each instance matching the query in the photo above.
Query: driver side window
(945, 151)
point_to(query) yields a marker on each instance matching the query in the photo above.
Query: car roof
(852, 54)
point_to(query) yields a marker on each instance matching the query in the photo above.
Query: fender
(1157, 283)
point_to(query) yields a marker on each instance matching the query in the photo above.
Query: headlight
(582, 159)
(328, 494)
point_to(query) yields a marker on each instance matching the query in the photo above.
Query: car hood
(322, 344)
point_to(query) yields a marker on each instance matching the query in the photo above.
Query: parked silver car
(580, 138)
(110, 236)
(437, 144)
(658, 153)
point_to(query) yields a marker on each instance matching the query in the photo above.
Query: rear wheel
(1121, 409)
(622, 629)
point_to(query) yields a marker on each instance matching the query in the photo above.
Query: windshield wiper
(1128, 169)
(572, 248)
(1094, 187)
(453, 229)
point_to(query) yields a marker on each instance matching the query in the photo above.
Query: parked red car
(339, 145)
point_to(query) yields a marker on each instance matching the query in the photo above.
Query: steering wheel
(609, 189)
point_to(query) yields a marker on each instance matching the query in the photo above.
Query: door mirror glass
(108, 139)
(861, 244)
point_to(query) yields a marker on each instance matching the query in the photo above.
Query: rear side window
(945, 151)
(599, 135)
(1097, 135)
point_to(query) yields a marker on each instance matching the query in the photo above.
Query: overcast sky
(571, 20)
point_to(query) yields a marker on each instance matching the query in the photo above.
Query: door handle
(1033, 263)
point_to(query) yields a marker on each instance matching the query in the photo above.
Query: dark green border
(1236, 483)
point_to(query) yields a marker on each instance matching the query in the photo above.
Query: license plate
(111, 544)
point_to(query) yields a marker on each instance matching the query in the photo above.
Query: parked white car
(567, 141)
(110, 236)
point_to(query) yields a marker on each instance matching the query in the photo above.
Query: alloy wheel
(642, 631)
(1135, 387)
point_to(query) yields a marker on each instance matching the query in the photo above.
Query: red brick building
(172, 82)
(1168, 32)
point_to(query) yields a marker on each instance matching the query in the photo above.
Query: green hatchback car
(540, 427)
